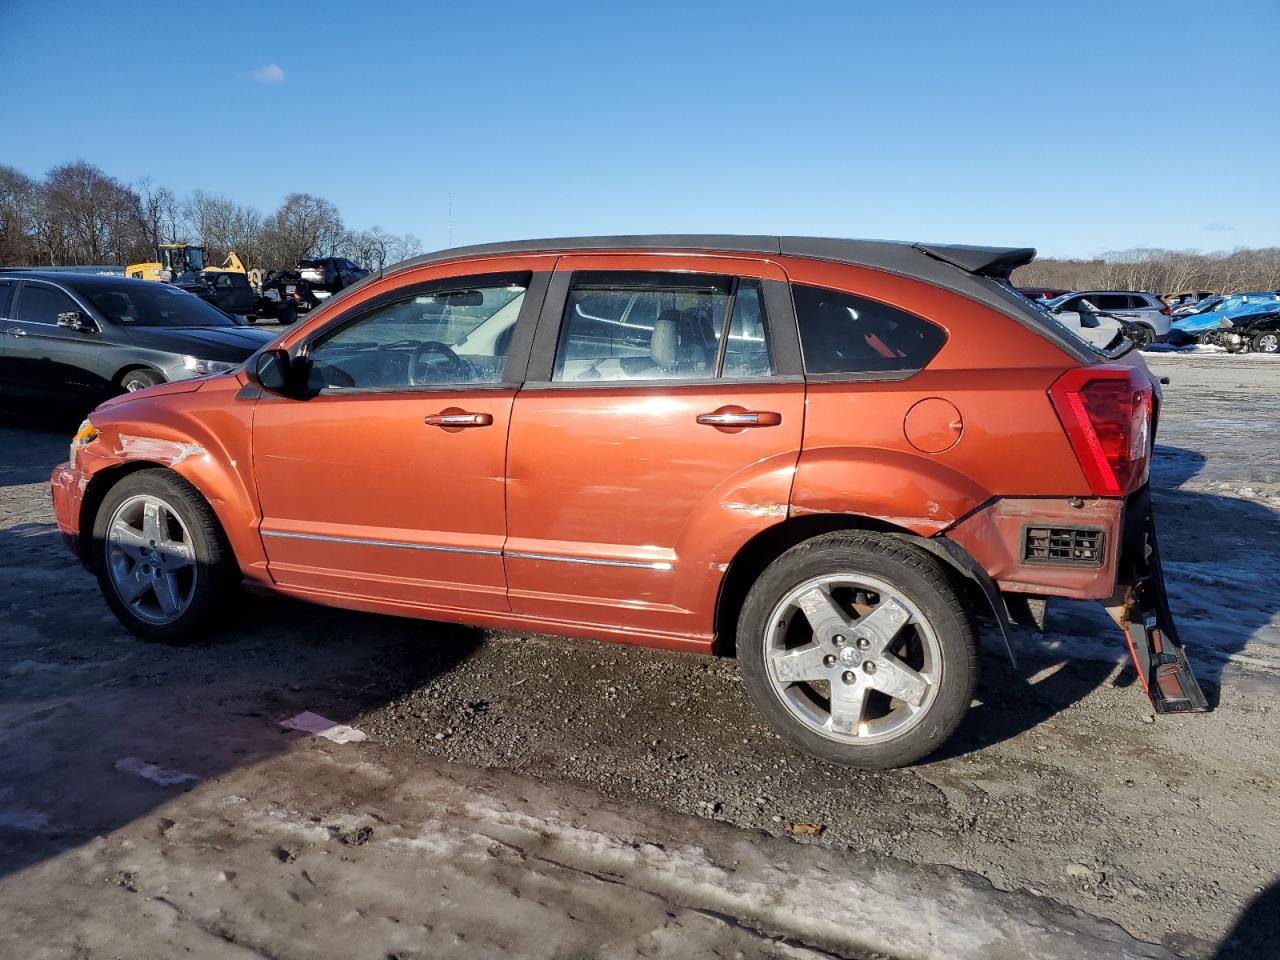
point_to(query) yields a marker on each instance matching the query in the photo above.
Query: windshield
(144, 304)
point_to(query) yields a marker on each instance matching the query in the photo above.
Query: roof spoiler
(994, 262)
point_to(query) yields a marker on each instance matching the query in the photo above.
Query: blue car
(1188, 329)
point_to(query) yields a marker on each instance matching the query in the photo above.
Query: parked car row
(77, 339)
(1239, 321)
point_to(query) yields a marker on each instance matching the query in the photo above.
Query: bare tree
(158, 213)
(21, 200)
(1160, 271)
(305, 225)
(222, 225)
(403, 247)
(94, 216)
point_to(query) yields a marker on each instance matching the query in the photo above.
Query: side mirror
(272, 370)
(77, 321)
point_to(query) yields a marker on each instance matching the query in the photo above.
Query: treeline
(79, 215)
(1159, 271)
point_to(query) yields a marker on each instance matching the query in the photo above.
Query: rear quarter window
(841, 333)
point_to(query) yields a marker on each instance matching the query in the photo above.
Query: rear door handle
(458, 419)
(16, 332)
(740, 418)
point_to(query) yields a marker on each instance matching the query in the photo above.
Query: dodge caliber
(824, 457)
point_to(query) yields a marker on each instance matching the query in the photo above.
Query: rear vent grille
(1081, 546)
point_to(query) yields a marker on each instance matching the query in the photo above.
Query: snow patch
(154, 772)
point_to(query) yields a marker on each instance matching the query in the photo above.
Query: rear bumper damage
(1140, 605)
(1118, 565)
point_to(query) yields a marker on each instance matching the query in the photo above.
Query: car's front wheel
(161, 559)
(857, 649)
(135, 380)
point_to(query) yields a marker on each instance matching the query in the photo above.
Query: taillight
(1165, 310)
(1106, 411)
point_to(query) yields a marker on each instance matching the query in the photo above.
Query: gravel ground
(1059, 786)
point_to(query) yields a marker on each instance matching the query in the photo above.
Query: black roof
(895, 256)
(74, 278)
(979, 273)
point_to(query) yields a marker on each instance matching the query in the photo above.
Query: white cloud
(271, 73)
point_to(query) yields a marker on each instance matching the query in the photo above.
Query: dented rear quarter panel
(856, 456)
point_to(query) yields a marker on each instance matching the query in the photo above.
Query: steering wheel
(421, 370)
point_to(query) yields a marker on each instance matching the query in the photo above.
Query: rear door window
(654, 326)
(1111, 301)
(6, 293)
(41, 304)
(841, 333)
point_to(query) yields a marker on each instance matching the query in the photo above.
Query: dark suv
(330, 273)
(227, 290)
(80, 338)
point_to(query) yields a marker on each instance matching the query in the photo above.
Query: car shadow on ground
(1257, 930)
(1236, 536)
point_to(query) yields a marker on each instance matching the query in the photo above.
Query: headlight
(84, 436)
(202, 368)
(1225, 324)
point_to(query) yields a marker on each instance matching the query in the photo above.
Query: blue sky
(1075, 127)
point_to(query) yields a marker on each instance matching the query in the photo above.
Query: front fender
(203, 435)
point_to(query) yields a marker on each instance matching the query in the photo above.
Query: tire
(1267, 342)
(197, 557)
(135, 380)
(937, 642)
(1145, 336)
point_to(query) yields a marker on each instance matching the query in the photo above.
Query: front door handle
(16, 332)
(735, 419)
(450, 419)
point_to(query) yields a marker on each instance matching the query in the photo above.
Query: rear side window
(43, 304)
(662, 327)
(843, 333)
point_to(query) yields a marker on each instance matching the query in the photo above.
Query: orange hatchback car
(824, 456)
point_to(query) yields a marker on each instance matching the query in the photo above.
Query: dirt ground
(542, 797)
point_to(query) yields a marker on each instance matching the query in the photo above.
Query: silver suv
(1136, 306)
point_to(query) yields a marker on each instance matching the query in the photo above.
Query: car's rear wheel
(857, 649)
(1267, 342)
(135, 380)
(161, 559)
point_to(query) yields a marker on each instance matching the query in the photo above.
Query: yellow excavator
(174, 259)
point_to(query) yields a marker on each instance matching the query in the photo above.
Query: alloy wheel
(151, 559)
(852, 658)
